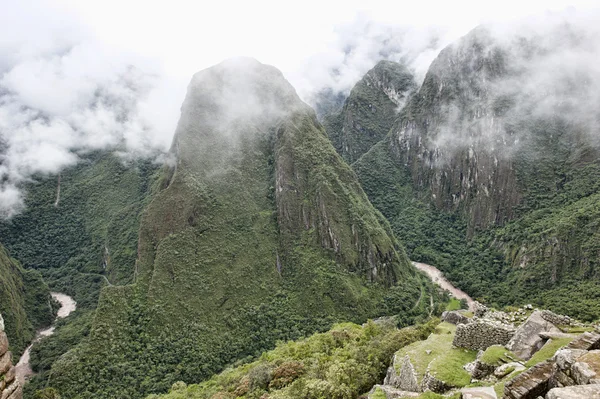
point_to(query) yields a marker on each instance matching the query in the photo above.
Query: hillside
(259, 232)
(25, 302)
(475, 178)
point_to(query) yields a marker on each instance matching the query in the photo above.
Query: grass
(378, 394)
(453, 304)
(444, 361)
(547, 351)
(497, 355)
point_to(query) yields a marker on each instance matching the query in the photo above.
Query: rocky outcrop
(455, 317)
(478, 393)
(527, 339)
(481, 334)
(530, 384)
(9, 386)
(576, 392)
(406, 379)
(586, 341)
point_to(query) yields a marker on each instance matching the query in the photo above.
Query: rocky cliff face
(259, 232)
(370, 109)
(9, 386)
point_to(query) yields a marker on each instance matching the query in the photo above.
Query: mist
(82, 76)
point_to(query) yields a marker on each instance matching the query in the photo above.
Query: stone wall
(9, 386)
(479, 335)
(556, 319)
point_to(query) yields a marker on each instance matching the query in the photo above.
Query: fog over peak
(106, 75)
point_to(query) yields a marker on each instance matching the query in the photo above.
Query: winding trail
(67, 306)
(438, 277)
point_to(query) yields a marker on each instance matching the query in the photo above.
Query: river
(438, 277)
(67, 306)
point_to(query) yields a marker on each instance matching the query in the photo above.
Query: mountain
(258, 232)
(491, 172)
(25, 302)
(370, 109)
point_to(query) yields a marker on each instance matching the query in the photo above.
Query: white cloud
(79, 75)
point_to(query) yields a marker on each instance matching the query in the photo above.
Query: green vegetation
(378, 394)
(496, 355)
(443, 361)
(25, 302)
(368, 112)
(259, 233)
(339, 364)
(90, 237)
(547, 351)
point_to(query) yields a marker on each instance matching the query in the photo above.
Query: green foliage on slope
(339, 364)
(370, 109)
(92, 232)
(25, 302)
(259, 233)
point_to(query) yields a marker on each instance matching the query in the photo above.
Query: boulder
(564, 360)
(478, 393)
(526, 340)
(3, 343)
(5, 363)
(575, 392)
(586, 341)
(530, 384)
(406, 380)
(455, 317)
(508, 368)
(586, 369)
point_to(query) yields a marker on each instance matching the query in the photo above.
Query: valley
(425, 234)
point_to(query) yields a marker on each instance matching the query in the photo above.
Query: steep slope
(25, 302)
(370, 109)
(491, 171)
(260, 232)
(81, 227)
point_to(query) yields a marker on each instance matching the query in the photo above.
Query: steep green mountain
(259, 232)
(370, 109)
(478, 178)
(25, 302)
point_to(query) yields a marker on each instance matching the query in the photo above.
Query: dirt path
(438, 277)
(67, 305)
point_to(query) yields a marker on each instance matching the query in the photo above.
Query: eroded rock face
(480, 335)
(527, 340)
(407, 380)
(575, 392)
(586, 341)
(530, 384)
(455, 317)
(9, 386)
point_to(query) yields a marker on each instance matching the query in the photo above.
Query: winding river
(438, 277)
(67, 306)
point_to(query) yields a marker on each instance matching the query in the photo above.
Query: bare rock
(586, 369)
(575, 392)
(531, 383)
(586, 341)
(406, 380)
(433, 384)
(508, 368)
(478, 393)
(527, 340)
(3, 343)
(1, 324)
(455, 317)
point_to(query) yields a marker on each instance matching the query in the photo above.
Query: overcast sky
(78, 75)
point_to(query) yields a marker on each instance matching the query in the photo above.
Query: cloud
(78, 76)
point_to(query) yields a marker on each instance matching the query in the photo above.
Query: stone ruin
(9, 386)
